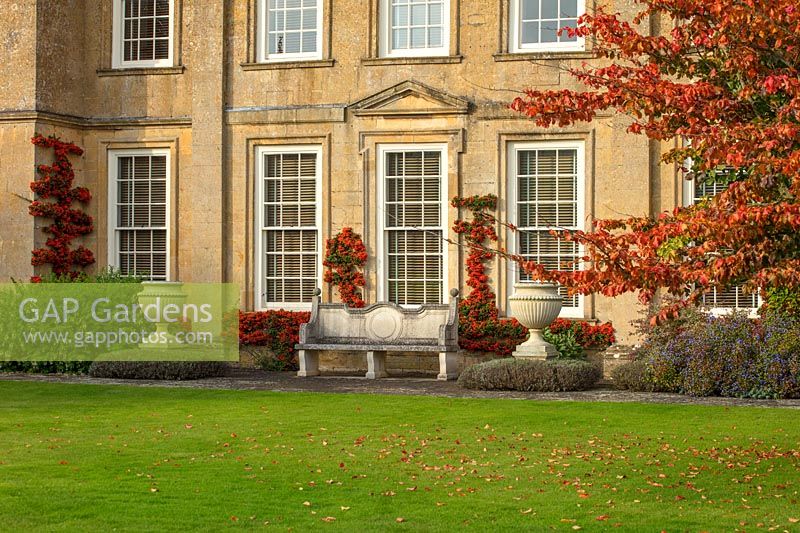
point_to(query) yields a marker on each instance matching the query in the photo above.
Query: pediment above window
(410, 98)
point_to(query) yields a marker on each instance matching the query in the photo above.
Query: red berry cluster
(279, 330)
(67, 223)
(345, 255)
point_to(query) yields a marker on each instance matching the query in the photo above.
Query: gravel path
(247, 379)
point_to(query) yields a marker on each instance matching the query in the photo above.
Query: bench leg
(448, 366)
(376, 365)
(309, 363)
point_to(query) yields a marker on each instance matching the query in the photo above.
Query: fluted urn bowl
(159, 294)
(535, 305)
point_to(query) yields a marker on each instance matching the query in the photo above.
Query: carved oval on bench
(384, 324)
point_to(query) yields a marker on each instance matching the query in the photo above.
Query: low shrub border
(157, 370)
(557, 375)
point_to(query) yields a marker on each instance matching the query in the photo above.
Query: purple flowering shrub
(730, 355)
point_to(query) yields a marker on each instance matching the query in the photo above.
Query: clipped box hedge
(157, 370)
(557, 375)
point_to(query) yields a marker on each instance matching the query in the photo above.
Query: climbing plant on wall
(55, 199)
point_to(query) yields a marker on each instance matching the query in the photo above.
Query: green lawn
(76, 457)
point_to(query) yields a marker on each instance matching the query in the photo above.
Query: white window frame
(113, 222)
(118, 37)
(511, 180)
(385, 34)
(383, 252)
(261, 151)
(515, 44)
(689, 200)
(262, 36)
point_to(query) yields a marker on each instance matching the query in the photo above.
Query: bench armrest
(448, 333)
(310, 329)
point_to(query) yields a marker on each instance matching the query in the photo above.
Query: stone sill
(539, 56)
(432, 60)
(149, 71)
(277, 65)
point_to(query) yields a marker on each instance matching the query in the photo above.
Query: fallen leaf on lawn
(188, 426)
(343, 508)
(583, 495)
(307, 504)
(399, 519)
(439, 504)
(411, 489)
(602, 517)
(328, 519)
(794, 520)
(576, 528)
(234, 519)
(527, 511)
(153, 489)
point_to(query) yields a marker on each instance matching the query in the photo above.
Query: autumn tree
(722, 78)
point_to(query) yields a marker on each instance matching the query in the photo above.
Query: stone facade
(216, 105)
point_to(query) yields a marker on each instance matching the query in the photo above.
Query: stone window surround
(108, 67)
(381, 229)
(106, 150)
(374, 56)
(505, 277)
(251, 229)
(252, 62)
(504, 50)
(369, 144)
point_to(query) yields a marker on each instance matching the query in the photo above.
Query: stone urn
(535, 304)
(153, 299)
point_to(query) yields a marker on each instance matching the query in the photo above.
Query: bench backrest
(382, 323)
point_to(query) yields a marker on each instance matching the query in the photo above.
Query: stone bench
(381, 328)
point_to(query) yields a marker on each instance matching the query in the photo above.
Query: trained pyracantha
(479, 326)
(345, 256)
(67, 222)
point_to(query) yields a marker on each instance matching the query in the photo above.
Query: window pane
(416, 24)
(569, 8)
(146, 28)
(549, 9)
(292, 27)
(549, 32)
(530, 9)
(309, 41)
(530, 32)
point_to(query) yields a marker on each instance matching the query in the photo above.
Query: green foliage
(531, 375)
(106, 275)
(46, 367)
(157, 370)
(781, 301)
(633, 376)
(565, 342)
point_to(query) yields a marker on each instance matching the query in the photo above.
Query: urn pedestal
(535, 305)
(155, 296)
